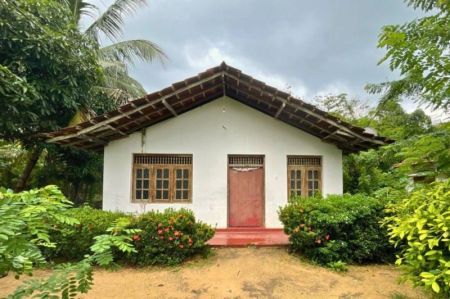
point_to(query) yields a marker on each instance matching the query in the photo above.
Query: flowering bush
(337, 228)
(169, 237)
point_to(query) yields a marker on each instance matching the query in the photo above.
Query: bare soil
(244, 273)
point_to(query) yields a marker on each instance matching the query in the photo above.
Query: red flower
(327, 237)
(166, 229)
(170, 238)
(181, 245)
(160, 231)
(136, 238)
(318, 241)
(176, 233)
(190, 241)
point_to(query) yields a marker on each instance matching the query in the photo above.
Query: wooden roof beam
(283, 104)
(138, 110)
(330, 135)
(144, 125)
(117, 130)
(170, 108)
(117, 117)
(92, 139)
(192, 97)
(316, 115)
(304, 120)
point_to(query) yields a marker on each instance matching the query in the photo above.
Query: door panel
(246, 195)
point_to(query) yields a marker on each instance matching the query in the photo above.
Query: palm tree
(116, 58)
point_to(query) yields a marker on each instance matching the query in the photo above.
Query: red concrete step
(245, 236)
(248, 229)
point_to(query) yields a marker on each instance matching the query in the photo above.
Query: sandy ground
(244, 273)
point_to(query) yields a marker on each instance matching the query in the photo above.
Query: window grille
(162, 178)
(304, 160)
(245, 161)
(162, 159)
(304, 175)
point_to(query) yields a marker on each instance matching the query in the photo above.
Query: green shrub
(169, 237)
(74, 242)
(337, 228)
(338, 266)
(419, 227)
(26, 222)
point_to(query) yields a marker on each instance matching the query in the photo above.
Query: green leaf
(435, 287)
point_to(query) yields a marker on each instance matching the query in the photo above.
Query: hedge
(337, 228)
(167, 237)
(73, 242)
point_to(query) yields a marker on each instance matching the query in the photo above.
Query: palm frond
(80, 8)
(131, 50)
(130, 87)
(113, 67)
(115, 60)
(115, 97)
(118, 97)
(122, 81)
(112, 20)
(116, 77)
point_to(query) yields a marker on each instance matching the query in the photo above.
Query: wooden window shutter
(304, 175)
(170, 178)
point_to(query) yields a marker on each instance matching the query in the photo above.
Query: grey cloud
(319, 44)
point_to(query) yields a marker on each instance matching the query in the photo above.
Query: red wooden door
(246, 195)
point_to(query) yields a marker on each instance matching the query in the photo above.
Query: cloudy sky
(308, 47)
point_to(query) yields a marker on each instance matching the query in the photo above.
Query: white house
(222, 144)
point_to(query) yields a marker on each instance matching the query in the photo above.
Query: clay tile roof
(207, 86)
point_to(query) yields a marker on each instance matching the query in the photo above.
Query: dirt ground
(244, 273)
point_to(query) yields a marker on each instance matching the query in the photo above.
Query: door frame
(263, 218)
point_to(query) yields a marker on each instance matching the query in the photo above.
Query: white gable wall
(210, 133)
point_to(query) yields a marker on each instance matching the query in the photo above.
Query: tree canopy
(47, 69)
(420, 51)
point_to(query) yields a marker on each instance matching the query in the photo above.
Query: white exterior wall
(210, 133)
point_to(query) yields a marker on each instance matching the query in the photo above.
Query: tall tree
(391, 120)
(420, 51)
(370, 171)
(47, 69)
(388, 118)
(116, 57)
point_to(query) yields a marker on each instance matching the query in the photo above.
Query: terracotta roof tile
(211, 84)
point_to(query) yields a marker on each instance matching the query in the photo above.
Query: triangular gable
(207, 86)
